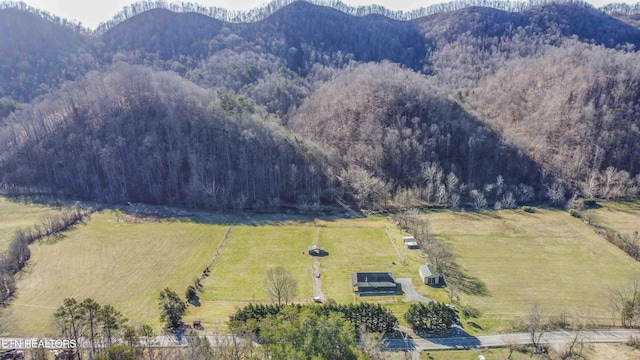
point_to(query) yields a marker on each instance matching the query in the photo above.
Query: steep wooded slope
(165, 33)
(302, 34)
(475, 42)
(133, 134)
(575, 110)
(305, 34)
(454, 108)
(398, 126)
(37, 55)
(560, 20)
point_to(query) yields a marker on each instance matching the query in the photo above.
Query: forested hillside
(462, 104)
(578, 117)
(396, 127)
(38, 55)
(134, 134)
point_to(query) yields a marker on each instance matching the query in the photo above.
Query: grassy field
(620, 216)
(493, 354)
(15, 215)
(547, 258)
(125, 265)
(591, 351)
(353, 249)
(369, 245)
(238, 276)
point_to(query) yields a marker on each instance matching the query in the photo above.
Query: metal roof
(372, 279)
(428, 270)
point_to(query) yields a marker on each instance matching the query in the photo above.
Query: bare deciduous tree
(511, 343)
(371, 344)
(624, 303)
(479, 201)
(509, 201)
(280, 285)
(556, 193)
(535, 326)
(574, 349)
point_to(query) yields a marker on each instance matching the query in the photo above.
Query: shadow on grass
(40, 199)
(279, 215)
(400, 340)
(318, 254)
(465, 283)
(195, 301)
(474, 325)
(479, 215)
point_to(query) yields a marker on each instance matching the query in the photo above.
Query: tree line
(263, 12)
(21, 5)
(369, 317)
(103, 333)
(315, 331)
(441, 256)
(14, 259)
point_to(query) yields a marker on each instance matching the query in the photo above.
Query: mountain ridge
(257, 14)
(371, 110)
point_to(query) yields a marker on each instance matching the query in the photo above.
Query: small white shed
(429, 275)
(410, 242)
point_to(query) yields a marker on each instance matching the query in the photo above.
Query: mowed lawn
(353, 249)
(620, 216)
(125, 265)
(238, 277)
(15, 215)
(374, 245)
(548, 257)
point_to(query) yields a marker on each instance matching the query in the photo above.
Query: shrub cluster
(433, 317)
(370, 317)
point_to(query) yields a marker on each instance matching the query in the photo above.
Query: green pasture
(125, 265)
(547, 257)
(620, 216)
(15, 215)
(237, 278)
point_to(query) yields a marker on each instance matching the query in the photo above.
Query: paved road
(503, 340)
(413, 345)
(410, 292)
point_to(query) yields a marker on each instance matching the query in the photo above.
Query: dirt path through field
(394, 245)
(317, 288)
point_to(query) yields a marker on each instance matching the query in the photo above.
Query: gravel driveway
(410, 292)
